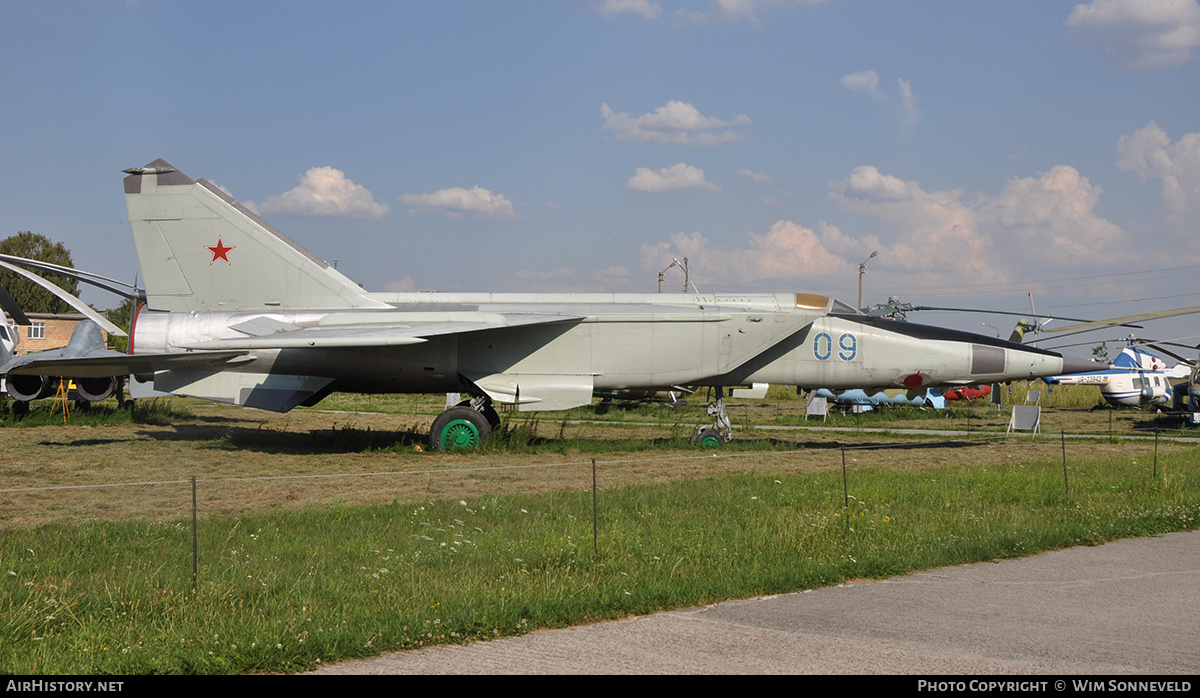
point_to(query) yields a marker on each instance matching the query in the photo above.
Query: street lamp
(862, 270)
(675, 263)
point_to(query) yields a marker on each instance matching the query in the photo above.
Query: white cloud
(786, 251)
(325, 191)
(677, 176)
(454, 202)
(863, 81)
(404, 285)
(867, 81)
(979, 236)
(230, 194)
(1140, 34)
(1053, 214)
(613, 275)
(754, 176)
(675, 123)
(867, 181)
(930, 237)
(1150, 154)
(645, 8)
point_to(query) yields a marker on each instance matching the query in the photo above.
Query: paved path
(1132, 606)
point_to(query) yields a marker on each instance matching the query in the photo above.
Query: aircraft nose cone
(1072, 364)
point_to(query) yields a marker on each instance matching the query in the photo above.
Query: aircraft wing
(104, 362)
(85, 356)
(370, 330)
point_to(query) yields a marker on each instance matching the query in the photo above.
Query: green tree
(31, 297)
(121, 317)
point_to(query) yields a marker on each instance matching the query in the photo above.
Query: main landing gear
(720, 431)
(469, 425)
(464, 427)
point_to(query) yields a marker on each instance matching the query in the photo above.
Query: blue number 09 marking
(849, 347)
(823, 346)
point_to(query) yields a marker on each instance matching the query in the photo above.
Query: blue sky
(985, 149)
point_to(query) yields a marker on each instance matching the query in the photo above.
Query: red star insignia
(220, 251)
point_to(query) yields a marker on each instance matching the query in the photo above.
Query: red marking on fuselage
(220, 251)
(133, 326)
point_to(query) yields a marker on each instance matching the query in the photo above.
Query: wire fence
(822, 458)
(1026, 441)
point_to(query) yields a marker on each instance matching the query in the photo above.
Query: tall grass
(105, 413)
(284, 592)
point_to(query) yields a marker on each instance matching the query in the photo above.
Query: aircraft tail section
(200, 250)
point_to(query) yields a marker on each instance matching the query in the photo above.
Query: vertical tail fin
(201, 250)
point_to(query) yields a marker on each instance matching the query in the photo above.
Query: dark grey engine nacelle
(95, 389)
(27, 388)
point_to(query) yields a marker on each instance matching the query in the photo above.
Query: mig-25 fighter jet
(237, 312)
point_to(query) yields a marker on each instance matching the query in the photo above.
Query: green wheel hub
(460, 434)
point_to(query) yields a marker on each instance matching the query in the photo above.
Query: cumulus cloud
(614, 8)
(617, 275)
(786, 251)
(325, 191)
(675, 123)
(864, 81)
(867, 82)
(868, 182)
(754, 176)
(677, 176)
(476, 202)
(1140, 34)
(1150, 154)
(404, 285)
(942, 236)
(1052, 215)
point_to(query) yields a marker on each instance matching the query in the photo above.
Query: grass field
(332, 533)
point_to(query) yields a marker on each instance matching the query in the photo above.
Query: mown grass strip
(285, 592)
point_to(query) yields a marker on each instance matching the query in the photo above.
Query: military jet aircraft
(237, 312)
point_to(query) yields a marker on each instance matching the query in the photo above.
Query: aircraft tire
(459, 429)
(489, 413)
(710, 438)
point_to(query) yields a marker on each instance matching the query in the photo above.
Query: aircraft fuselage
(605, 342)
